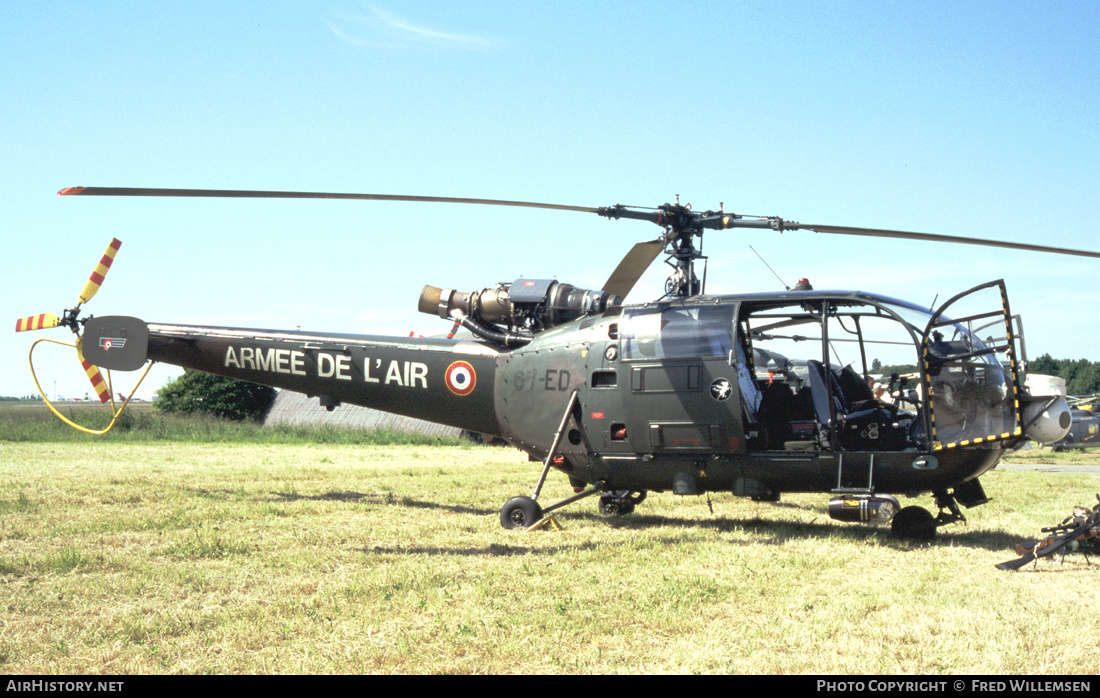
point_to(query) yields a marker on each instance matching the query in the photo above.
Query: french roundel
(460, 378)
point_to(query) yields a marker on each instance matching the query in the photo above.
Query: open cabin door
(970, 370)
(817, 360)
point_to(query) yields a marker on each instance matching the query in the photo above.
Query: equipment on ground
(1079, 532)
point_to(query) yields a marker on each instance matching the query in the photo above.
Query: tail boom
(445, 381)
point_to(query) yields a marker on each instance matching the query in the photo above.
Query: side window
(677, 332)
(861, 336)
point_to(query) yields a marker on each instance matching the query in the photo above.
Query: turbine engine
(512, 313)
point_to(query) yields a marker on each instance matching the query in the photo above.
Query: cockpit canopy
(952, 373)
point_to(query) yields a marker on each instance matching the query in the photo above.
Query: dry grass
(146, 558)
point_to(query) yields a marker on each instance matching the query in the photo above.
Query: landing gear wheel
(520, 512)
(915, 524)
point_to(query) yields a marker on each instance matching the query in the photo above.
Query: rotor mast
(682, 225)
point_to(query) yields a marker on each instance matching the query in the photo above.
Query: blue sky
(975, 118)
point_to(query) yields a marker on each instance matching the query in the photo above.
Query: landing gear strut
(524, 512)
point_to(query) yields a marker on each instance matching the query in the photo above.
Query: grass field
(141, 423)
(163, 556)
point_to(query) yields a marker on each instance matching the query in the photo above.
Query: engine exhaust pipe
(877, 509)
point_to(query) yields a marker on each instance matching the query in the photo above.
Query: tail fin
(116, 342)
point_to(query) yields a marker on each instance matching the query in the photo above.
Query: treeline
(1082, 376)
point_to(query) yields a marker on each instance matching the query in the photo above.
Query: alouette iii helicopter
(754, 394)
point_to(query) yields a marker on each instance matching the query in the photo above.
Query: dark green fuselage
(643, 420)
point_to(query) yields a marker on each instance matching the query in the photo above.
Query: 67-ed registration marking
(549, 379)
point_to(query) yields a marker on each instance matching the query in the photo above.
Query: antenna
(785, 286)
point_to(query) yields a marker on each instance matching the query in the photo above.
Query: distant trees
(1082, 376)
(900, 369)
(205, 393)
(880, 369)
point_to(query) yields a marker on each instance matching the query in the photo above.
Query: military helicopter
(690, 393)
(1084, 431)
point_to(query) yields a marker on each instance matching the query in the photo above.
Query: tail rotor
(71, 318)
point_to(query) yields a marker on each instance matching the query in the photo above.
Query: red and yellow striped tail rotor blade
(96, 378)
(92, 371)
(41, 321)
(100, 271)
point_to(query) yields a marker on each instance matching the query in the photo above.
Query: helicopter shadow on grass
(767, 531)
(387, 499)
(491, 550)
(760, 529)
(764, 531)
(350, 496)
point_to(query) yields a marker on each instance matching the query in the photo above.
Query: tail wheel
(520, 512)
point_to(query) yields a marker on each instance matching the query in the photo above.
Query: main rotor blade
(714, 221)
(246, 194)
(903, 235)
(632, 266)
